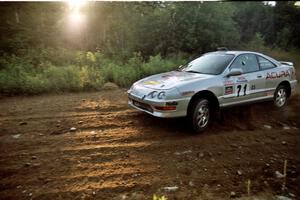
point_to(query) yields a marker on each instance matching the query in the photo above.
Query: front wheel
(199, 115)
(280, 96)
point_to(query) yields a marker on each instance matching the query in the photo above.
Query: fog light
(165, 107)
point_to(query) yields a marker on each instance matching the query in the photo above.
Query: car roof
(236, 53)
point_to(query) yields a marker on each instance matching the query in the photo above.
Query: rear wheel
(200, 115)
(280, 96)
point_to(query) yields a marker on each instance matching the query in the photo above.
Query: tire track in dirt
(125, 152)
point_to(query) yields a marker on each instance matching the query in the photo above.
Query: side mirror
(234, 72)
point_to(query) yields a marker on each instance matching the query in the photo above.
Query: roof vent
(222, 49)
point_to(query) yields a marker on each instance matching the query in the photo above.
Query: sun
(76, 4)
(76, 18)
(75, 15)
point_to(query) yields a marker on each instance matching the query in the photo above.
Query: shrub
(121, 75)
(91, 78)
(62, 78)
(50, 70)
(157, 65)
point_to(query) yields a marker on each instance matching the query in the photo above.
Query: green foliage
(283, 38)
(91, 78)
(118, 29)
(157, 65)
(257, 43)
(253, 18)
(35, 73)
(62, 78)
(125, 74)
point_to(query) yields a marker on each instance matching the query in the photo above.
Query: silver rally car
(214, 80)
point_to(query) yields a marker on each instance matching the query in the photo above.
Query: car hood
(169, 80)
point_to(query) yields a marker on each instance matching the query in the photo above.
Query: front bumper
(149, 106)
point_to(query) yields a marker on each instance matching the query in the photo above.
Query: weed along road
(93, 146)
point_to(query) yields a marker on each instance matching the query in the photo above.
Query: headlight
(155, 94)
(132, 87)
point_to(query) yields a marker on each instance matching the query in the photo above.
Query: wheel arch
(287, 85)
(210, 96)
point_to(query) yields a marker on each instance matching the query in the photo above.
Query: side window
(246, 62)
(264, 63)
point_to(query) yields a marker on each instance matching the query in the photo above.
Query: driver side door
(250, 84)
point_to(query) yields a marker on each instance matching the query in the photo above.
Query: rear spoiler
(286, 63)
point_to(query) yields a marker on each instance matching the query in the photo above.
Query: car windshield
(208, 64)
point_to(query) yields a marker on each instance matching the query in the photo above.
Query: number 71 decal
(239, 88)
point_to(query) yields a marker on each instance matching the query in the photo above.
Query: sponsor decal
(151, 83)
(187, 93)
(274, 75)
(228, 83)
(229, 90)
(241, 79)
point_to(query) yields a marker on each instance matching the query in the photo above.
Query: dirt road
(119, 153)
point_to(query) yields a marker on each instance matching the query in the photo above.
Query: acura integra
(213, 81)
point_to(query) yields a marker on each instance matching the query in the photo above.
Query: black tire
(280, 96)
(199, 115)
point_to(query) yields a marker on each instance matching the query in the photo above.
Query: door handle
(259, 76)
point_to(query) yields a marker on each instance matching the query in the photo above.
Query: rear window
(264, 63)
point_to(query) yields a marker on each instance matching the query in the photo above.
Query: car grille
(142, 105)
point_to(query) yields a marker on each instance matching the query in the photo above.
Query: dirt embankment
(119, 153)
